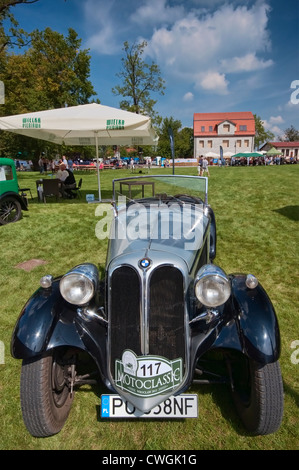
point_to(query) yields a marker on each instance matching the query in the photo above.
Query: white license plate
(181, 406)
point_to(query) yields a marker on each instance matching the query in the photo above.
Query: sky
(215, 56)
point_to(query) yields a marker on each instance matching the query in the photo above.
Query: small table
(137, 183)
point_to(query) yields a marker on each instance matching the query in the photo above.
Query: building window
(246, 143)
(210, 144)
(239, 143)
(210, 128)
(225, 143)
(202, 128)
(226, 127)
(243, 128)
(201, 143)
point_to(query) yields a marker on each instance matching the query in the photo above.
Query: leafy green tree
(139, 81)
(164, 148)
(261, 135)
(52, 73)
(14, 36)
(185, 143)
(290, 135)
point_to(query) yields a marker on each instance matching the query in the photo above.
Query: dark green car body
(11, 202)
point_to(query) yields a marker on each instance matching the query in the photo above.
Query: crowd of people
(52, 165)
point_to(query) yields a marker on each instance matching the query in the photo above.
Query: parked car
(11, 202)
(163, 317)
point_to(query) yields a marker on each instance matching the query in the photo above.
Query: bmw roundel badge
(144, 263)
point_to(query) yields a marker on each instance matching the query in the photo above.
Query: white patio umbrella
(211, 154)
(88, 124)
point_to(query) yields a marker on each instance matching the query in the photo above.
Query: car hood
(176, 230)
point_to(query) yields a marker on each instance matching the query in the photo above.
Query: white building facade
(234, 132)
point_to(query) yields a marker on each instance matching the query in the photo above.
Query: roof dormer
(226, 128)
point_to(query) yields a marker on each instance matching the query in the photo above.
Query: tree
(163, 133)
(261, 135)
(290, 135)
(14, 36)
(52, 73)
(184, 144)
(139, 80)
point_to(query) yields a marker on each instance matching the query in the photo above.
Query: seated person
(68, 181)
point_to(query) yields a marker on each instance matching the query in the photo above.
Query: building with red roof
(288, 149)
(234, 132)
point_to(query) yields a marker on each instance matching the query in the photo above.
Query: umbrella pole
(98, 166)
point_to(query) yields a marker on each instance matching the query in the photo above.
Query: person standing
(205, 166)
(199, 167)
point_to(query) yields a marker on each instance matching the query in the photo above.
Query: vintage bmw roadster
(159, 318)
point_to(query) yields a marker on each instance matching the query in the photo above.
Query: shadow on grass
(105, 195)
(291, 212)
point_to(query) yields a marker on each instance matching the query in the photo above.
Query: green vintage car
(11, 202)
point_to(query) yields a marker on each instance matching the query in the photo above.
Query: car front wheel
(258, 396)
(45, 393)
(10, 210)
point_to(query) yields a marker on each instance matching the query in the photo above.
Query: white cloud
(156, 12)
(214, 81)
(206, 48)
(103, 37)
(272, 127)
(188, 96)
(246, 63)
(276, 120)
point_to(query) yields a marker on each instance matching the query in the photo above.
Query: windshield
(159, 213)
(160, 187)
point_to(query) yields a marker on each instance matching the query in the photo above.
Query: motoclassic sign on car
(147, 375)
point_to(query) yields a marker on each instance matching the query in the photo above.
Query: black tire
(10, 210)
(45, 396)
(258, 396)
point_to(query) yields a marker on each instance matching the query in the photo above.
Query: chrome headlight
(78, 286)
(212, 286)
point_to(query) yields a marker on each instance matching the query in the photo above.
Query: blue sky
(214, 55)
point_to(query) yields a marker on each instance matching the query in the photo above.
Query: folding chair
(77, 188)
(23, 191)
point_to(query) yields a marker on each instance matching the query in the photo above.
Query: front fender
(22, 200)
(256, 321)
(45, 312)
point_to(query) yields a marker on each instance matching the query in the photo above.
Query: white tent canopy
(88, 124)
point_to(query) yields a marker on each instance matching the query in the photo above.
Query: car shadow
(291, 212)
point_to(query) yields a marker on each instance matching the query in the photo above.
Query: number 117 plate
(181, 406)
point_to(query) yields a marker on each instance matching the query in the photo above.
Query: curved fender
(22, 200)
(256, 321)
(45, 312)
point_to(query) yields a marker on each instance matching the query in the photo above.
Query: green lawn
(257, 215)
